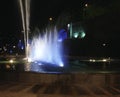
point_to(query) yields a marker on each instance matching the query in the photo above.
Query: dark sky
(41, 10)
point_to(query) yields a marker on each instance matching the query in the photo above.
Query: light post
(84, 10)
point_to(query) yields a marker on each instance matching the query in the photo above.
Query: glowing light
(29, 60)
(68, 25)
(100, 60)
(104, 44)
(62, 34)
(22, 47)
(11, 61)
(14, 46)
(46, 49)
(92, 60)
(50, 19)
(83, 34)
(61, 65)
(76, 35)
(86, 5)
(40, 64)
(80, 34)
(104, 60)
(8, 66)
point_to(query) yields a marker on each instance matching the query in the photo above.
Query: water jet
(43, 48)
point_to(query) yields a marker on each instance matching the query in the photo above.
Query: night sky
(41, 10)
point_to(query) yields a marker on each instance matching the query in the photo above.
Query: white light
(92, 60)
(50, 19)
(39, 63)
(59, 40)
(29, 60)
(68, 25)
(61, 65)
(86, 5)
(104, 44)
(83, 34)
(104, 60)
(11, 61)
(76, 35)
(36, 62)
(14, 46)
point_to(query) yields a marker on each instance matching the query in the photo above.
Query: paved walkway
(56, 89)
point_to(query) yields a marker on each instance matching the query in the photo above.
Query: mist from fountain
(46, 48)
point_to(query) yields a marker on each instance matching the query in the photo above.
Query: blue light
(61, 65)
(20, 45)
(62, 34)
(11, 51)
(46, 49)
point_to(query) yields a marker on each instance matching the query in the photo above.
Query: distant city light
(22, 47)
(14, 46)
(8, 66)
(50, 19)
(100, 60)
(104, 60)
(82, 34)
(104, 44)
(11, 61)
(76, 35)
(68, 25)
(86, 5)
(92, 60)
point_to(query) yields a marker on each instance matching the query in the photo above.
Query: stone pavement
(56, 89)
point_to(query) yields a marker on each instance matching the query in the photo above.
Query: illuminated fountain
(25, 14)
(44, 49)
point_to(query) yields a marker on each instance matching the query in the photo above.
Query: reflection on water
(86, 66)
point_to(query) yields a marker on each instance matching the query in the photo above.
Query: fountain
(44, 49)
(44, 53)
(25, 14)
